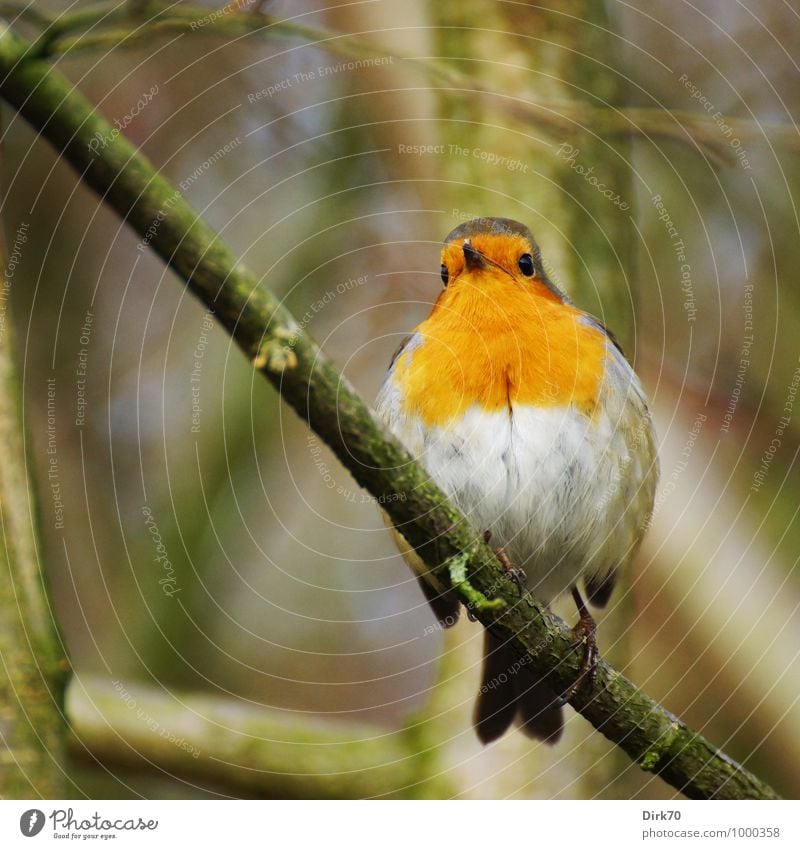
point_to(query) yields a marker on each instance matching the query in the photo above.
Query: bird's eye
(526, 265)
(445, 275)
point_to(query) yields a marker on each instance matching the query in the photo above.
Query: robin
(524, 410)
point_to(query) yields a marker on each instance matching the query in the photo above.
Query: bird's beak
(473, 258)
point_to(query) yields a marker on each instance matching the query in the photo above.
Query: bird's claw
(585, 634)
(516, 574)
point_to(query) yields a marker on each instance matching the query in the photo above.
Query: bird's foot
(585, 633)
(516, 574)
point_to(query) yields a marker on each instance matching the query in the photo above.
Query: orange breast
(494, 342)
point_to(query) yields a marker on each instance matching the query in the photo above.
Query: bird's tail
(509, 691)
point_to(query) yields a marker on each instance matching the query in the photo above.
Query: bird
(524, 410)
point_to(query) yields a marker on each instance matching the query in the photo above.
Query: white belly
(562, 493)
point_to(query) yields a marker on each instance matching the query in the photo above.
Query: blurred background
(207, 544)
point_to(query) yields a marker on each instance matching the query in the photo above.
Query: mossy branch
(308, 381)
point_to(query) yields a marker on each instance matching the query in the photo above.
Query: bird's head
(495, 250)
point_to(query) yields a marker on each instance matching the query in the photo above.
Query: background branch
(249, 750)
(32, 664)
(289, 358)
(138, 25)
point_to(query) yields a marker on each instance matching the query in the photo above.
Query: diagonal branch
(307, 380)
